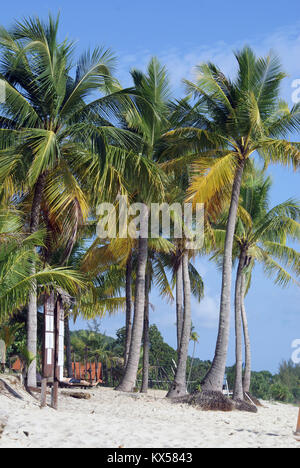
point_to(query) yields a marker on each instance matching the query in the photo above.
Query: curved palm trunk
(215, 377)
(178, 387)
(32, 302)
(146, 341)
(179, 304)
(238, 393)
(128, 323)
(129, 378)
(247, 373)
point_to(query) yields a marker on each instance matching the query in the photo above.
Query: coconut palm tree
(149, 120)
(260, 238)
(185, 277)
(230, 122)
(128, 320)
(50, 137)
(266, 243)
(146, 339)
(195, 339)
(178, 387)
(17, 253)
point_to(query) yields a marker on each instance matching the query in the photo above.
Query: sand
(112, 419)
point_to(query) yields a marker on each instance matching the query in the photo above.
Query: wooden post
(44, 392)
(48, 346)
(91, 372)
(85, 363)
(54, 393)
(297, 434)
(2, 356)
(96, 368)
(58, 350)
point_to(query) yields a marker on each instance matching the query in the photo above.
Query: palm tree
(264, 242)
(185, 277)
(149, 120)
(195, 339)
(146, 339)
(179, 300)
(230, 122)
(17, 253)
(128, 321)
(170, 261)
(178, 388)
(50, 137)
(260, 238)
(248, 355)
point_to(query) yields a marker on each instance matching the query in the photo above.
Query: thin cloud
(206, 314)
(181, 63)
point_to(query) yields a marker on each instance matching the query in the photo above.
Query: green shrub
(281, 392)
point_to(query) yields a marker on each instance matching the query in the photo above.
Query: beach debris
(242, 405)
(2, 427)
(78, 395)
(6, 388)
(207, 401)
(215, 401)
(253, 399)
(3, 422)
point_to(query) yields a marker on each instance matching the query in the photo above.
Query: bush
(281, 392)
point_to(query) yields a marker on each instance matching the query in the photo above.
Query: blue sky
(183, 34)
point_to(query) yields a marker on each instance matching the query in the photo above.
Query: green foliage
(284, 386)
(26, 357)
(260, 384)
(91, 345)
(17, 332)
(8, 333)
(281, 392)
(162, 357)
(289, 376)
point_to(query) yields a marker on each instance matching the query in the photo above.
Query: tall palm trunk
(192, 362)
(215, 377)
(128, 324)
(179, 304)
(129, 378)
(32, 302)
(178, 387)
(146, 340)
(238, 393)
(247, 372)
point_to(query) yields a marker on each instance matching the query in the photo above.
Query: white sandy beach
(113, 419)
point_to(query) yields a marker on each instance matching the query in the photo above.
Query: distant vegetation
(284, 386)
(93, 345)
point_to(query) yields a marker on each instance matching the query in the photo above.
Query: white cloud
(181, 63)
(206, 314)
